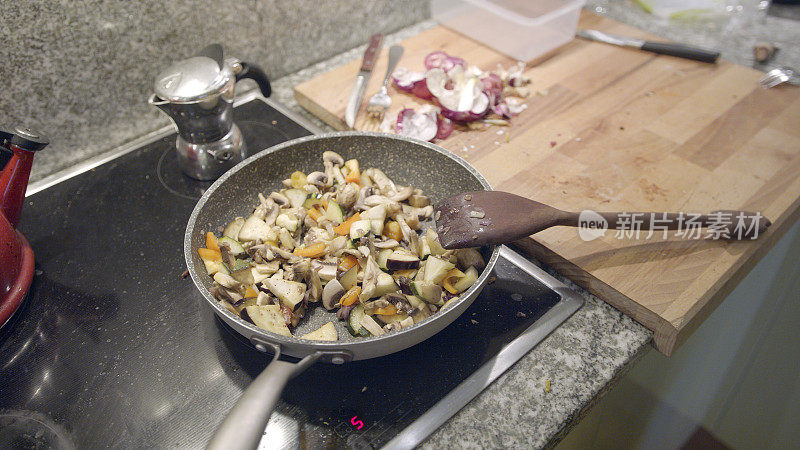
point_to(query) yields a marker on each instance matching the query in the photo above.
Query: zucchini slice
(268, 317)
(233, 228)
(334, 212)
(436, 269)
(296, 197)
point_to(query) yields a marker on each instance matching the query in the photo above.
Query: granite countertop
(581, 359)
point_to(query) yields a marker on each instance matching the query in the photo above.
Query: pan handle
(244, 425)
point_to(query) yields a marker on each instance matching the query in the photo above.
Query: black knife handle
(682, 51)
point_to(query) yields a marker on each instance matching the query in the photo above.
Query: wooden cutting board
(610, 128)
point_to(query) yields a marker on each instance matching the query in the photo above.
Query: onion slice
(420, 125)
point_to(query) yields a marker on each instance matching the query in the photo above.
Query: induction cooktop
(115, 347)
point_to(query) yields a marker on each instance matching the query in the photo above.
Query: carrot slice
(354, 176)
(392, 231)
(386, 311)
(314, 214)
(346, 262)
(250, 292)
(207, 253)
(344, 228)
(312, 251)
(451, 277)
(211, 241)
(351, 296)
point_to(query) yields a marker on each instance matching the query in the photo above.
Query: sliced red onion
(464, 101)
(441, 60)
(501, 109)
(493, 86)
(420, 90)
(405, 79)
(417, 125)
(435, 60)
(452, 62)
(445, 127)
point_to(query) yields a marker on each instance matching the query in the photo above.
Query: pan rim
(313, 345)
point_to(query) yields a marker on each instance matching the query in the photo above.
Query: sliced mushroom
(409, 235)
(469, 257)
(333, 158)
(402, 194)
(291, 257)
(279, 198)
(370, 280)
(378, 303)
(220, 293)
(363, 193)
(227, 281)
(272, 214)
(344, 311)
(332, 293)
(287, 182)
(347, 196)
(315, 289)
(392, 206)
(319, 179)
(385, 185)
(419, 213)
(327, 270)
(302, 268)
(389, 243)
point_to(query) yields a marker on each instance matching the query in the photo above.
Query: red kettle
(16, 255)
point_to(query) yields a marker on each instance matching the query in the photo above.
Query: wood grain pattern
(620, 129)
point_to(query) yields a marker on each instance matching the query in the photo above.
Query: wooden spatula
(474, 219)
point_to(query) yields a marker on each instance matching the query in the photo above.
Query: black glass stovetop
(114, 348)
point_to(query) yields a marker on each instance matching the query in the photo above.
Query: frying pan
(407, 161)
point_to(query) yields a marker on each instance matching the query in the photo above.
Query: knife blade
(662, 48)
(367, 63)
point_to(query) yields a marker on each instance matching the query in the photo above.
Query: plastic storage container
(522, 29)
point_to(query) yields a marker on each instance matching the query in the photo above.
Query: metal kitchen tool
(16, 256)
(367, 64)
(381, 102)
(662, 48)
(197, 93)
(778, 76)
(474, 219)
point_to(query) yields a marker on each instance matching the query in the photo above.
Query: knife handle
(371, 54)
(681, 51)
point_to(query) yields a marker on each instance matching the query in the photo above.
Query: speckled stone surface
(81, 71)
(734, 34)
(594, 347)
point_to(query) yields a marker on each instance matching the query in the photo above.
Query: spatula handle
(726, 223)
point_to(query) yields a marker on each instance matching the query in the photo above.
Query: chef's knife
(367, 63)
(663, 48)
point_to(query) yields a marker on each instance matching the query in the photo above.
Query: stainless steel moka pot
(197, 93)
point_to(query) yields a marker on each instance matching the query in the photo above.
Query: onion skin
(445, 127)
(420, 89)
(493, 86)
